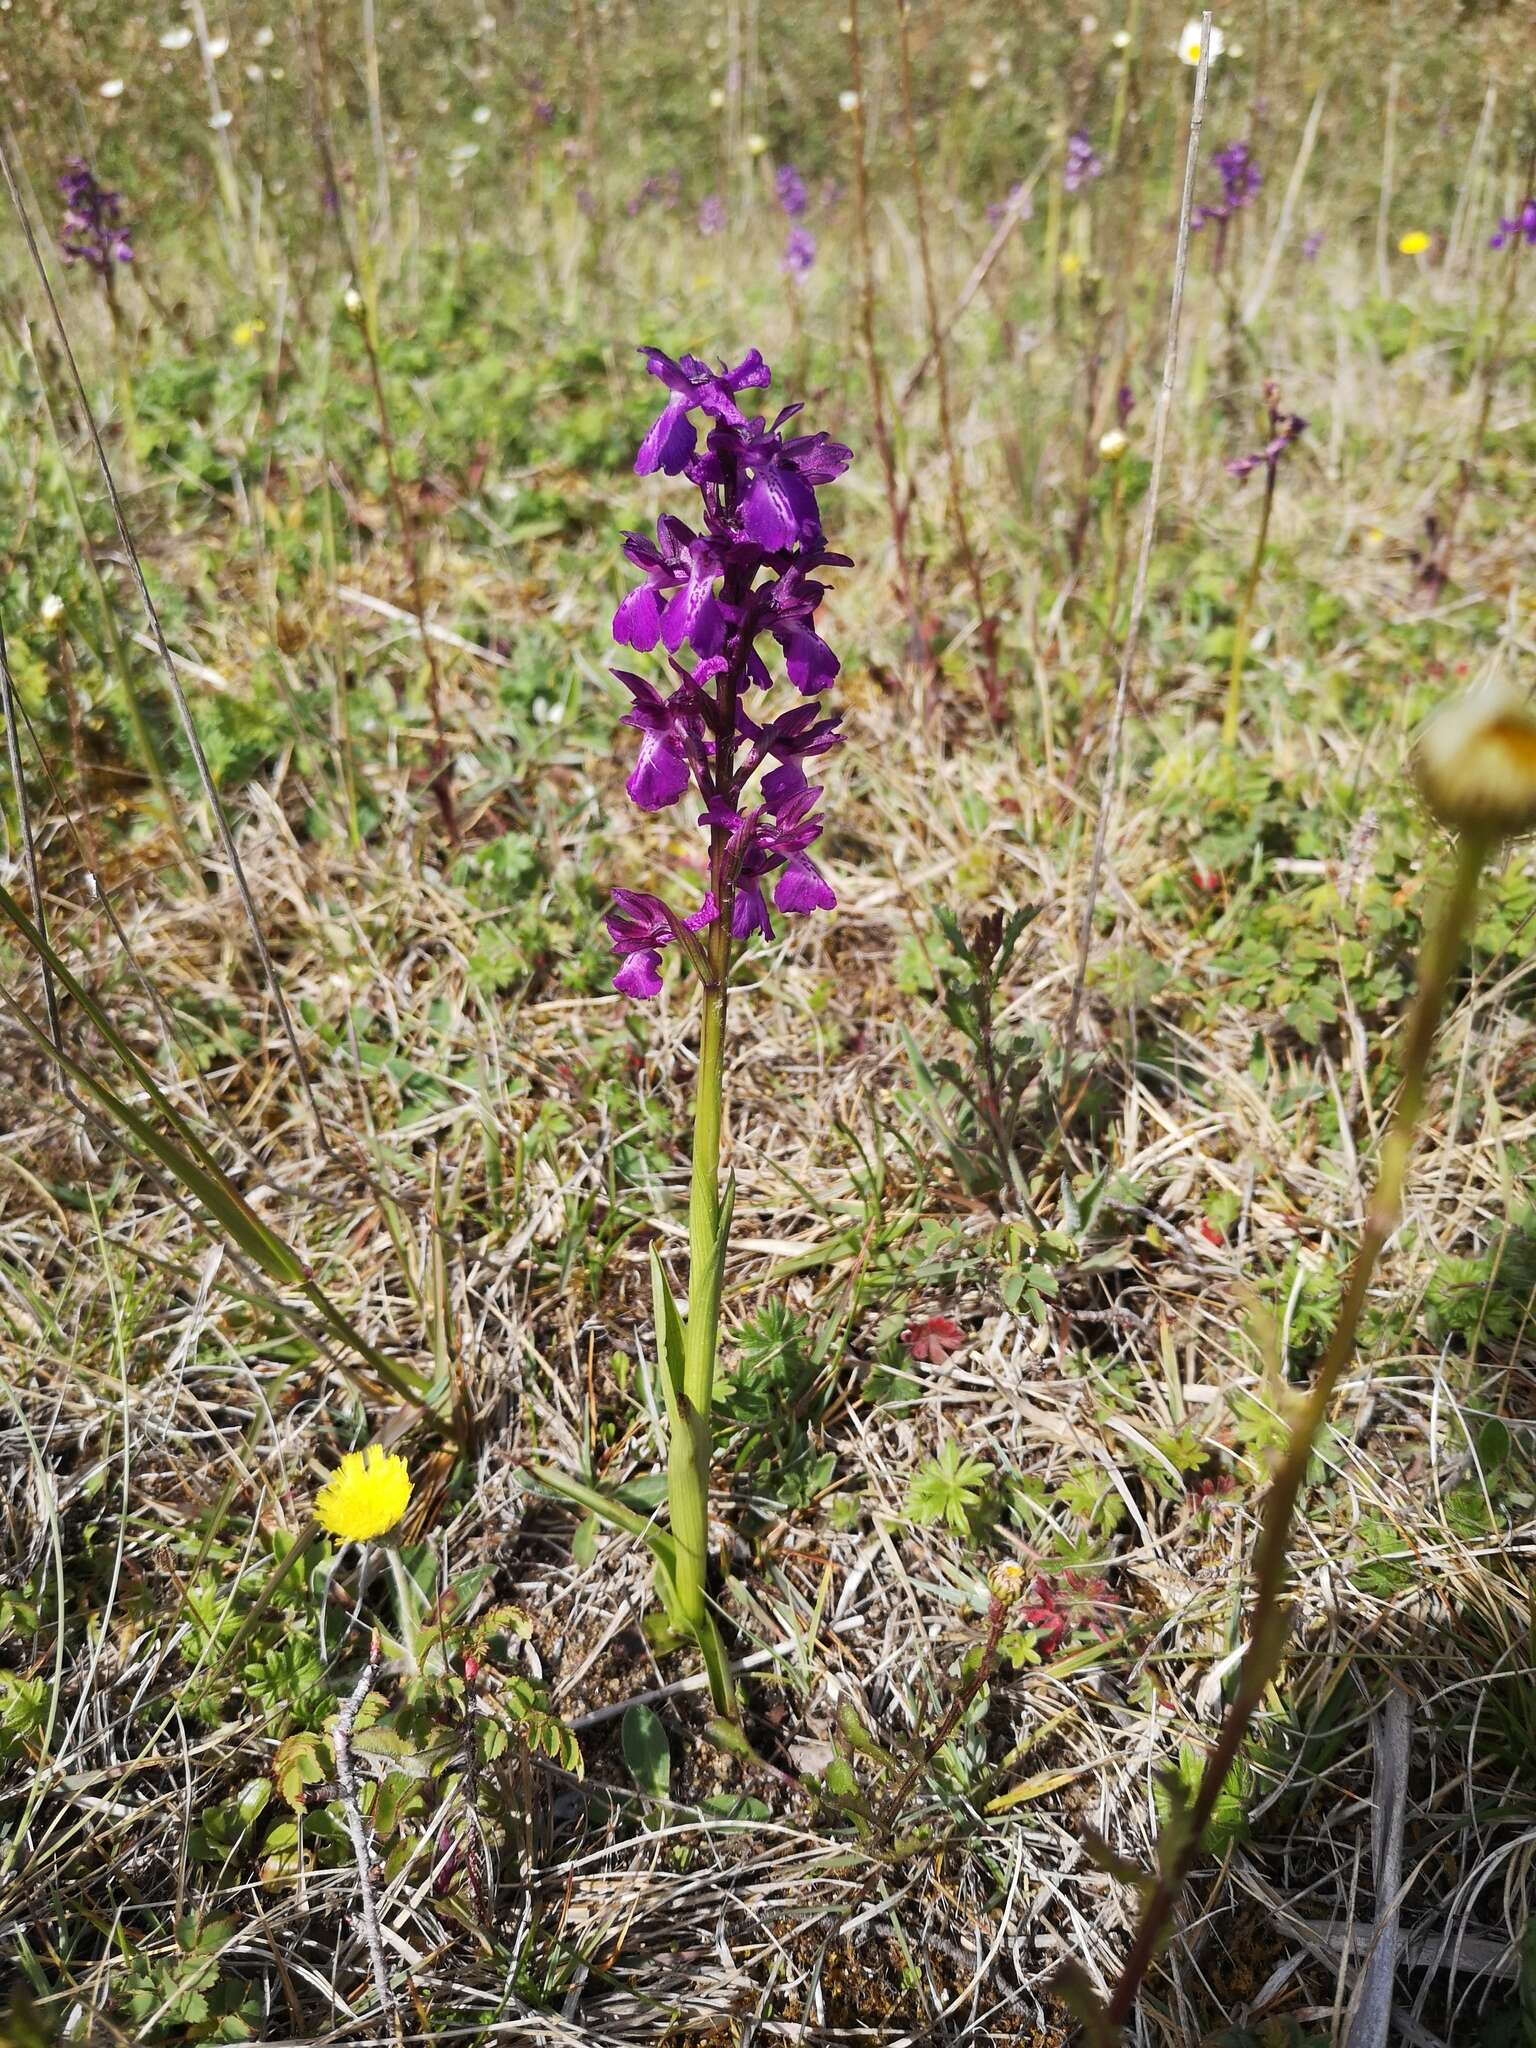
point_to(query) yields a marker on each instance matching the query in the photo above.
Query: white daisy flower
(1188, 45)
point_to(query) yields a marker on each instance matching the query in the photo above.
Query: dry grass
(492, 1185)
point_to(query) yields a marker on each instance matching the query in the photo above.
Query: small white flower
(1089, 24)
(1475, 762)
(1189, 43)
(352, 301)
(221, 119)
(848, 102)
(1113, 445)
(217, 45)
(176, 38)
(845, 25)
(756, 144)
(716, 100)
(265, 37)
(481, 116)
(979, 78)
(254, 73)
(111, 88)
(51, 610)
(1121, 39)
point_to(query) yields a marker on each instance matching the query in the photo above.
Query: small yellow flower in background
(756, 144)
(51, 610)
(247, 332)
(367, 1493)
(1375, 538)
(1414, 243)
(1071, 264)
(848, 102)
(1189, 43)
(1475, 762)
(1113, 445)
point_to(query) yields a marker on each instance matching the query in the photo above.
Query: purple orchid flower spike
(1521, 228)
(694, 386)
(734, 590)
(1284, 429)
(93, 231)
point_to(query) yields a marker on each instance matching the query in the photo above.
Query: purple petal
(780, 785)
(670, 442)
(802, 887)
(749, 913)
(640, 976)
(693, 615)
(769, 512)
(809, 660)
(660, 773)
(637, 622)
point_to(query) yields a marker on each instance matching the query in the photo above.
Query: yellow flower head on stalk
(1414, 243)
(367, 1493)
(1475, 762)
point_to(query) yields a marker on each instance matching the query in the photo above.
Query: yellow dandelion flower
(247, 332)
(1414, 243)
(1476, 762)
(367, 1493)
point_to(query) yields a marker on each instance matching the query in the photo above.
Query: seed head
(1475, 762)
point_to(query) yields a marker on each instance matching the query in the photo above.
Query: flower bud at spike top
(1475, 762)
(718, 603)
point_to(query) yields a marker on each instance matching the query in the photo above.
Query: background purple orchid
(709, 596)
(93, 230)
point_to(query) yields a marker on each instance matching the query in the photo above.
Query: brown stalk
(987, 624)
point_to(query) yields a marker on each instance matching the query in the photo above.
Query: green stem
(1245, 616)
(1271, 1609)
(689, 1457)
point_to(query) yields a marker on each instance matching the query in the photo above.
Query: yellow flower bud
(1475, 762)
(1113, 445)
(1005, 1582)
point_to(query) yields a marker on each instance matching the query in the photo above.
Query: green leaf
(647, 1753)
(671, 1340)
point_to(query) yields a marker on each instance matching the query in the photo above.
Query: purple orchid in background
(789, 187)
(708, 596)
(1284, 428)
(1083, 163)
(712, 215)
(1311, 245)
(1241, 179)
(799, 252)
(1521, 228)
(92, 230)
(1018, 200)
